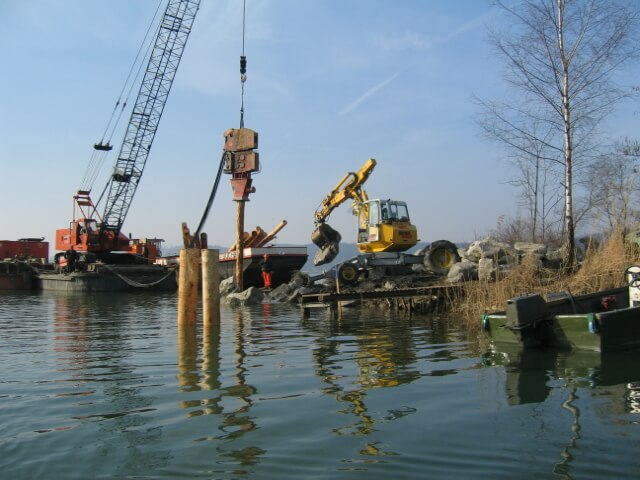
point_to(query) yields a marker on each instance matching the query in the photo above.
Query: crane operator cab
(384, 226)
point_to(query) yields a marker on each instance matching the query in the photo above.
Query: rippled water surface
(109, 386)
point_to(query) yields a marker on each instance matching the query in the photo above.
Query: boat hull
(286, 261)
(587, 329)
(15, 276)
(110, 278)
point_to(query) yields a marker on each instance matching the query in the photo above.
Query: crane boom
(100, 235)
(170, 41)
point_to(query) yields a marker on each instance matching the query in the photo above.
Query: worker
(266, 266)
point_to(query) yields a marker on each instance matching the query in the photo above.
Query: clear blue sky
(330, 84)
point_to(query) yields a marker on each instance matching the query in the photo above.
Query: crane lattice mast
(170, 41)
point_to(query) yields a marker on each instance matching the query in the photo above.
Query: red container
(25, 248)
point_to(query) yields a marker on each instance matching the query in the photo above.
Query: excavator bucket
(327, 239)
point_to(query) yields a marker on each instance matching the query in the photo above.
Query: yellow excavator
(384, 231)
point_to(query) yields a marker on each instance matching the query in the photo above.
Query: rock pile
(483, 260)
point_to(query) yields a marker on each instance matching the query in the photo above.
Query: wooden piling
(188, 285)
(239, 243)
(210, 286)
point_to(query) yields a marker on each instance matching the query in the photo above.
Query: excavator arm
(348, 188)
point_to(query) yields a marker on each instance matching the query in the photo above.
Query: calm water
(109, 387)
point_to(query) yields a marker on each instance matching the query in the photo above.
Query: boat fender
(593, 326)
(485, 321)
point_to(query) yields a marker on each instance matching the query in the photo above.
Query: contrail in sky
(372, 91)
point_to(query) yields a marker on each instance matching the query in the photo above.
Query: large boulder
(528, 248)
(279, 294)
(227, 286)
(462, 271)
(294, 296)
(500, 252)
(250, 296)
(487, 270)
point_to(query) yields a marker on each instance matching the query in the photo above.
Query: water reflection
(235, 419)
(531, 376)
(384, 354)
(94, 344)
(530, 371)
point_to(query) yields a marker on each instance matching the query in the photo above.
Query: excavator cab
(385, 226)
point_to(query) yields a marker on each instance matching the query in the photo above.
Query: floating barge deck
(332, 299)
(110, 278)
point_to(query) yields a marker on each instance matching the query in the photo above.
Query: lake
(109, 386)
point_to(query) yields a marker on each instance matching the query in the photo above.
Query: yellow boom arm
(350, 187)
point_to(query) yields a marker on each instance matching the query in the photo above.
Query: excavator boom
(349, 187)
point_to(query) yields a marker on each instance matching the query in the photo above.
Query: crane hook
(243, 68)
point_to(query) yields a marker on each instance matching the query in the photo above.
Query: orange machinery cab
(83, 235)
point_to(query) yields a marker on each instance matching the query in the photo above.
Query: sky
(330, 84)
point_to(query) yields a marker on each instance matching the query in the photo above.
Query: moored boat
(600, 321)
(286, 261)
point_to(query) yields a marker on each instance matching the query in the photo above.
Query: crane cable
(102, 148)
(243, 67)
(243, 78)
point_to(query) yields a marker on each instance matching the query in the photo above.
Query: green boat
(601, 321)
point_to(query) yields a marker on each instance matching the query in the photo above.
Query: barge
(286, 261)
(102, 277)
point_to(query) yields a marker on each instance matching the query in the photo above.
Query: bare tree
(615, 188)
(529, 154)
(560, 58)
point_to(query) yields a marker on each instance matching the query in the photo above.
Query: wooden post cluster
(198, 267)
